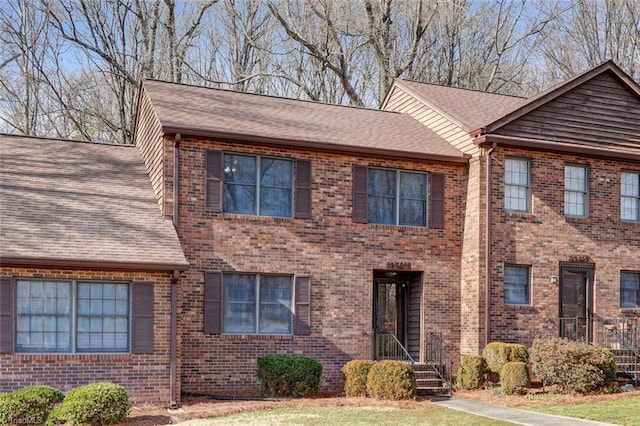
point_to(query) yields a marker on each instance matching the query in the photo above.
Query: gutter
(487, 248)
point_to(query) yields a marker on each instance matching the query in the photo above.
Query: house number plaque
(399, 265)
(579, 259)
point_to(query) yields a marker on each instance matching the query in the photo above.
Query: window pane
(102, 308)
(413, 213)
(239, 311)
(275, 173)
(629, 289)
(630, 184)
(516, 285)
(413, 185)
(275, 304)
(575, 191)
(629, 208)
(517, 172)
(382, 210)
(382, 183)
(43, 317)
(275, 202)
(239, 184)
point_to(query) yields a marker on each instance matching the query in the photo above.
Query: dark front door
(575, 305)
(390, 318)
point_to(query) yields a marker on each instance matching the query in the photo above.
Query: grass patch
(624, 411)
(352, 416)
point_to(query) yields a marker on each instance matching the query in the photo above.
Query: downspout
(487, 248)
(173, 349)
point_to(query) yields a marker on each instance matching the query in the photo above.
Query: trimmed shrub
(610, 367)
(392, 380)
(355, 376)
(471, 372)
(99, 403)
(572, 366)
(28, 405)
(497, 354)
(289, 375)
(514, 378)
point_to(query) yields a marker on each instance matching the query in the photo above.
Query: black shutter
(142, 318)
(302, 323)
(6, 315)
(213, 181)
(360, 190)
(436, 201)
(303, 189)
(213, 302)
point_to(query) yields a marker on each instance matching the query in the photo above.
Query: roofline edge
(18, 261)
(322, 146)
(539, 144)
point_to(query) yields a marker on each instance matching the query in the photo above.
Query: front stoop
(428, 381)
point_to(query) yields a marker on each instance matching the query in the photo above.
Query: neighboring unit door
(575, 306)
(390, 318)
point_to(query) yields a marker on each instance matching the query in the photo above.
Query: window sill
(633, 311)
(578, 219)
(510, 213)
(254, 217)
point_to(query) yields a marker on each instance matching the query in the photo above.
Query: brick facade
(145, 376)
(546, 239)
(340, 256)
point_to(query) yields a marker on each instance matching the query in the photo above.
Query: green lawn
(625, 411)
(352, 416)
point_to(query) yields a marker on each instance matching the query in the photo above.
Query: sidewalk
(513, 415)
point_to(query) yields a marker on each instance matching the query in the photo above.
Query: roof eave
(538, 144)
(91, 264)
(315, 145)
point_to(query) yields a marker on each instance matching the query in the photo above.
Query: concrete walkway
(513, 415)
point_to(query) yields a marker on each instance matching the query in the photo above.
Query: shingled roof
(77, 204)
(199, 111)
(470, 109)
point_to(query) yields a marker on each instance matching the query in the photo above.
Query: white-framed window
(517, 288)
(257, 185)
(630, 196)
(397, 197)
(69, 316)
(517, 184)
(257, 304)
(576, 191)
(630, 289)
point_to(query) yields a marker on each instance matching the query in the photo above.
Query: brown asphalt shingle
(64, 200)
(224, 113)
(471, 109)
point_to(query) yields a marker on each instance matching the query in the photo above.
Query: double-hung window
(517, 289)
(397, 197)
(257, 304)
(257, 185)
(630, 196)
(630, 290)
(575, 191)
(517, 185)
(69, 316)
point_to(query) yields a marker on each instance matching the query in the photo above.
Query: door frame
(588, 270)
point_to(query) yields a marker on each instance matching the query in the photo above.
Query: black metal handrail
(438, 357)
(389, 347)
(619, 334)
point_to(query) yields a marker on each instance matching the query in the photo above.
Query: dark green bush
(471, 372)
(355, 376)
(99, 403)
(514, 378)
(289, 375)
(31, 404)
(572, 366)
(393, 380)
(497, 354)
(610, 367)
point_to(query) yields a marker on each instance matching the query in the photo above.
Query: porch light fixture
(553, 278)
(390, 274)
